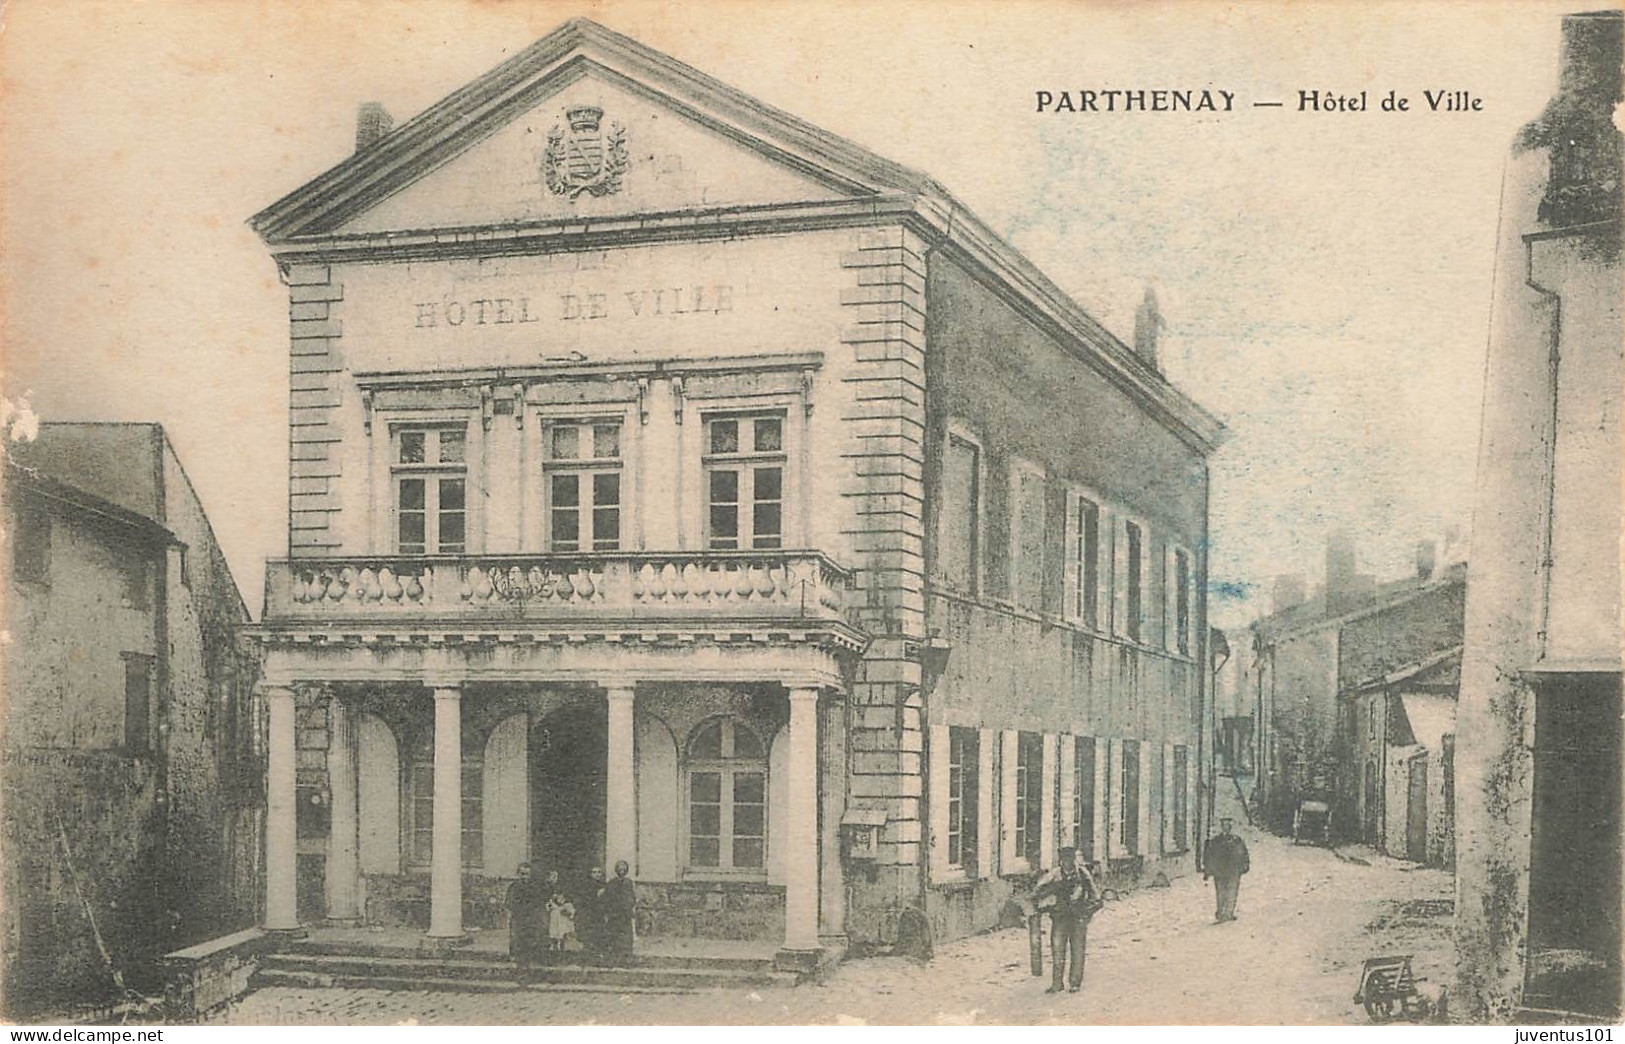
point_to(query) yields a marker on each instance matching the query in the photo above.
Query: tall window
(584, 486)
(1083, 561)
(1133, 579)
(727, 797)
(1181, 816)
(1182, 601)
(744, 481)
(1029, 795)
(963, 751)
(420, 795)
(137, 703)
(31, 543)
(1027, 537)
(431, 490)
(961, 513)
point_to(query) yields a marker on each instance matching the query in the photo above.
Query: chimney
(1587, 161)
(1290, 590)
(1426, 556)
(1342, 576)
(1148, 324)
(372, 121)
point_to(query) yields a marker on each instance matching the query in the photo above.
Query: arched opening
(568, 751)
(379, 797)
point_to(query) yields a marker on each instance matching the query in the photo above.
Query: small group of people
(597, 917)
(1071, 897)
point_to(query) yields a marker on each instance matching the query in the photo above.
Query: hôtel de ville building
(675, 482)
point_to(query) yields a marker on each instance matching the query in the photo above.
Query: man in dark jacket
(525, 901)
(1225, 861)
(1068, 893)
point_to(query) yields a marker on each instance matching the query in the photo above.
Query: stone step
(475, 973)
(297, 979)
(427, 953)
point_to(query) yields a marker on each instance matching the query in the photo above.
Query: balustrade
(788, 584)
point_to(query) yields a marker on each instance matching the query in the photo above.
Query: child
(561, 920)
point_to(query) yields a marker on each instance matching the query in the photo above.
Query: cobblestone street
(1308, 918)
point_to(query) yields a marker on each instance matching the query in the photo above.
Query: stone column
(800, 843)
(620, 799)
(281, 829)
(446, 863)
(343, 858)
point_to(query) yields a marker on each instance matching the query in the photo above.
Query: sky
(1325, 277)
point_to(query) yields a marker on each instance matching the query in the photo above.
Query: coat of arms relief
(584, 157)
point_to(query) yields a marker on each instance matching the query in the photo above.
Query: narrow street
(1308, 918)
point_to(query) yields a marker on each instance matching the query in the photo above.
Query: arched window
(727, 798)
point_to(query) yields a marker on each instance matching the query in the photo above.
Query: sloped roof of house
(1440, 670)
(87, 507)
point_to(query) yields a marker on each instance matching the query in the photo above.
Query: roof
(1310, 617)
(80, 504)
(303, 223)
(1438, 670)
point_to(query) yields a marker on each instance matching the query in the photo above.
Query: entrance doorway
(1416, 810)
(1574, 865)
(568, 754)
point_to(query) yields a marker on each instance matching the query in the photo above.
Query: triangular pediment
(583, 124)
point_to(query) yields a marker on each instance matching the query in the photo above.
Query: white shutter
(1066, 807)
(1009, 747)
(1170, 843)
(1099, 811)
(1170, 599)
(984, 803)
(1190, 801)
(1144, 797)
(1119, 571)
(937, 781)
(1046, 831)
(1071, 533)
(1114, 787)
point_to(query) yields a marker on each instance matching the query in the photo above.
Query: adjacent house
(132, 774)
(1538, 734)
(670, 484)
(1356, 690)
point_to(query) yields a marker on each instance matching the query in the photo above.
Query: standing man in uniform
(1070, 896)
(1225, 861)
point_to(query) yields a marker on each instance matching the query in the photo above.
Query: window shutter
(1170, 599)
(937, 780)
(1170, 843)
(1099, 811)
(1046, 830)
(984, 803)
(1114, 788)
(1009, 752)
(1066, 806)
(1119, 577)
(1190, 800)
(1071, 533)
(1144, 823)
